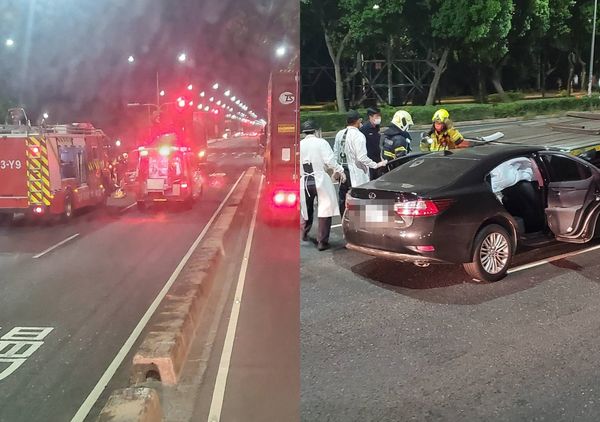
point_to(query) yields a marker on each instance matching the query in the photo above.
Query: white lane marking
(335, 226)
(128, 207)
(51, 248)
(114, 365)
(552, 259)
(219, 391)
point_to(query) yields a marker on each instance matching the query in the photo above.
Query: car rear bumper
(395, 256)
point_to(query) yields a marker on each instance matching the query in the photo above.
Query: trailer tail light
(34, 152)
(421, 207)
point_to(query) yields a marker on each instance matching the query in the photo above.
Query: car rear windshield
(431, 172)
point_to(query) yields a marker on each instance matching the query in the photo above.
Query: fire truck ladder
(38, 176)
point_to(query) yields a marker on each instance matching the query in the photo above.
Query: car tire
(188, 203)
(492, 254)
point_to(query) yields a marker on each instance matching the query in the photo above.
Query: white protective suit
(316, 151)
(356, 155)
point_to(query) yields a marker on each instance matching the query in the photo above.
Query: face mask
(377, 121)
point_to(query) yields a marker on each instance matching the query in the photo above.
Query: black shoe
(323, 246)
(305, 237)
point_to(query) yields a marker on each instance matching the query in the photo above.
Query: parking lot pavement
(383, 340)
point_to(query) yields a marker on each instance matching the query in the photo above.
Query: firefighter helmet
(402, 119)
(440, 116)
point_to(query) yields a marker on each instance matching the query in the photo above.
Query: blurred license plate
(376, 214)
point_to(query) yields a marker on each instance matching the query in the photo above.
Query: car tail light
(421, 207)
(285, 198)
(427, 248)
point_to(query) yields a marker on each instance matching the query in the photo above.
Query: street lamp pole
(592, 51)
(157, 91)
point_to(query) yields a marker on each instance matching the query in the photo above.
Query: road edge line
(218, 397)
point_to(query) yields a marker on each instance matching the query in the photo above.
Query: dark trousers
(324, 222)
(344, 188)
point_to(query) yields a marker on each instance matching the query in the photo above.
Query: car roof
(447, 169)
(490, 152)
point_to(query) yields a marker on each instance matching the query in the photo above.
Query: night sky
(70, 56)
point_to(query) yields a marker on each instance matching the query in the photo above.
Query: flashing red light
(184, 185)
(38, 210)
(421, 207)
(34, 151)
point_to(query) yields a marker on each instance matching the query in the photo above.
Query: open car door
(573, 197)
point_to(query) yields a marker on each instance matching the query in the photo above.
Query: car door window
(565, 169)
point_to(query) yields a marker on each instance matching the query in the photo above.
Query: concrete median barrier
(164, 350)
(132, 405)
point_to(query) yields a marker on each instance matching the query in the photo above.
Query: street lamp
(190, 87)
(227, 93)
(130, 59)
(202, 94)
(592, 50)
(216, 86)
(118, 143)
(45, 116)
(280, 51)
(182, 57)
(162, 93)
(375, 7)
(10, 42)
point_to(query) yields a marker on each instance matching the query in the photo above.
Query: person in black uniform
(371, 131)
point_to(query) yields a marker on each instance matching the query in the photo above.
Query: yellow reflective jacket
(445, 140)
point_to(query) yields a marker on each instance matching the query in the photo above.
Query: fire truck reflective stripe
(38, 175)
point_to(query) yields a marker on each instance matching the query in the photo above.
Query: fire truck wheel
(7, 219)
(68, 208)
(141, 206)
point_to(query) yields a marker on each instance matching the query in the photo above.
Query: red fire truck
(50, 171)
(169, 171)
(282, 148)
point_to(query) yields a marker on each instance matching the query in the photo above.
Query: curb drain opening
(152, 375)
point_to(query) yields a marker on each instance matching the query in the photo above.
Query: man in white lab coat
(316, 157)
(350, 148)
